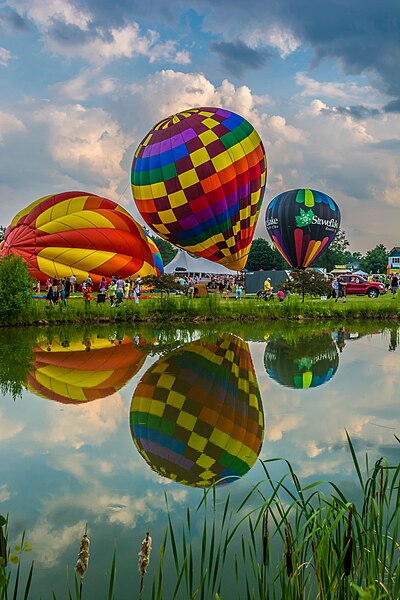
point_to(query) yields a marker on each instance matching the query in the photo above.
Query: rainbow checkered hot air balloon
(81, 234)
(196, 415)
(198, 180)
(302, 223)
(78, 371)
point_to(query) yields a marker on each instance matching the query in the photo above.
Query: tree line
(264, 256)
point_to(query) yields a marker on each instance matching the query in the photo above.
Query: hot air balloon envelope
(158, 261)
(302, 223)
(198, 180)
(76, 233)
(196, 415)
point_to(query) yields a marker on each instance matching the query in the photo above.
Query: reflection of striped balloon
(196, 415)
(71, 375)
(81, 234)
(198, 180)
(158, 261)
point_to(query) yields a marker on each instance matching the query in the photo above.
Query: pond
(106, 426)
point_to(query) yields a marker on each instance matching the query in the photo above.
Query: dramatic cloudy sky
(82, 81)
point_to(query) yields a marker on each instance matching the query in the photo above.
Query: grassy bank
(282, 541)
(176, 308)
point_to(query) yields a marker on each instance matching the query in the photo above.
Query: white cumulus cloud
(87, 143)
(9, 124)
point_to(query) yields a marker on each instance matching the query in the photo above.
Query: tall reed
(300, 542)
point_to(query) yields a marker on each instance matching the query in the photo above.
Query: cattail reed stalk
(144, 559)
(265, 537)
(348, 544)
(381, 487)
(3, 547)
(83, 559)
(288, 554)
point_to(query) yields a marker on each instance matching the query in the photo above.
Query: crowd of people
(116, 290)
(227, 285)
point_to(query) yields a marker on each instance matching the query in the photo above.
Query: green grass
(282, 541)
(176, 308)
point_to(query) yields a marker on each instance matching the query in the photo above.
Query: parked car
(355, 284)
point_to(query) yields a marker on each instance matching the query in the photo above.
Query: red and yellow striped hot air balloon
(67, 372)
(81, 234)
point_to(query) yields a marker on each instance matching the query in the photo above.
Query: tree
(166, 249)
(306, 282)
(164, 283)
(263, 256)
(335, 254)
(375, 261)
(16, 286)
(353, 258)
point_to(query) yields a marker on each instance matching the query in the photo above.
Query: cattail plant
(144, 559)
(288, 553)
(83, 559)
(265, 537)
(3, 542)
(348, 544)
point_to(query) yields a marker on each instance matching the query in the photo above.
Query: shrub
(16, 285)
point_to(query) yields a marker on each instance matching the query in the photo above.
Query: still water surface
(110, 419)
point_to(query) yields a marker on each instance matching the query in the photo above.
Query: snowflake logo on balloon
(305, 218)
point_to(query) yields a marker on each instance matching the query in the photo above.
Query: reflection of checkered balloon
(196, 416)
(198, 180)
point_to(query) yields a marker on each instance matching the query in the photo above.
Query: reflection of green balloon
(301, 361)
(196, 416)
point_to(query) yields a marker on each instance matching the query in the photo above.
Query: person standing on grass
(120, 285)
(221, 287)
(72, 281)
(103, 285)
(136, 290)
(67, 285)
(239, 291)
(394, 285)
(111, 290)
(335, 288)
(342, 290)
(62, 292)
(54, 291)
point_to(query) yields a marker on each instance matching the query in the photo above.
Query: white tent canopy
(184, 263)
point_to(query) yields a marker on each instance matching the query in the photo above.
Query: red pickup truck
(355, 284)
